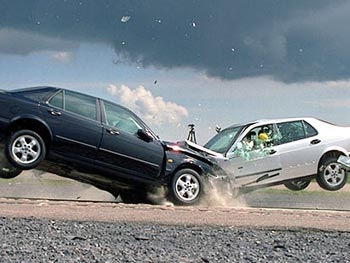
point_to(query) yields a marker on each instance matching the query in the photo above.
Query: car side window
(309, 130)
(121, 119)
(80, 104)
(257, 143)
(57, 100)
(291, 131)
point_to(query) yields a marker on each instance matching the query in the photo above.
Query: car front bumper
(344, 161)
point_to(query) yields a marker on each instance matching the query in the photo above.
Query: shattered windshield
(223, 141)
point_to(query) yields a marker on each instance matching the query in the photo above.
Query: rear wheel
(25, 149)
(297, 185)
(7, 171)
(331, 175)
(186, 187)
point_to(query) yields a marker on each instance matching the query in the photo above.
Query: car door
(299, 148)
(73, 120)
(124, 149)
(254, 158)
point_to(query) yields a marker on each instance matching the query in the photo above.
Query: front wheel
(297, 185)
(331, 175)
(25, 149)
(186, 187)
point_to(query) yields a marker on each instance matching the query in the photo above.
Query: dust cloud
(217, 194)
(222, 195)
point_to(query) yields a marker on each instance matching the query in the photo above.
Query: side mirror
(144, 135)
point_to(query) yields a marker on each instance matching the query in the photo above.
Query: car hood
(193, 149)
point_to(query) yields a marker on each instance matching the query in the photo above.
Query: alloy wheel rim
(26, 149)
(187, 187)
(334, 174)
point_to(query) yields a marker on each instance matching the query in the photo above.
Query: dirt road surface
(161, 214)
(314, 209)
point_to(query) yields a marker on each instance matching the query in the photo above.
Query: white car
(289, 151)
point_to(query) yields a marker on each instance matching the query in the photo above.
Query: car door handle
(55, 112)
(113, 131)
(316, 141)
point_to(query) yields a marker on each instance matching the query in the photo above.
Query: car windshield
(223, 141)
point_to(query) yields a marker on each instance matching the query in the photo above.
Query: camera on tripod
(191, 134)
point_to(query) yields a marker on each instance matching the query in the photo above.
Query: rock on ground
(41, 240)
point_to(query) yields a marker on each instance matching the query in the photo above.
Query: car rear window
(35, 94)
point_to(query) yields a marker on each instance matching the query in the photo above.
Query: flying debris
(125, 19)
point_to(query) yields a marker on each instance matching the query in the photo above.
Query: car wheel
(25, 149)
(331, 175)
(297, 185)
(7, 171)
(186, 187)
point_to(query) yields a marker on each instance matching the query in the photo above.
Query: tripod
(191, 134)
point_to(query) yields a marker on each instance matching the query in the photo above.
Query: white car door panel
(257, 167)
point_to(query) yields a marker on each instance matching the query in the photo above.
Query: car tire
(186, 187)
(25, 149)
(331, 175)
(297, 185)
(7, 171)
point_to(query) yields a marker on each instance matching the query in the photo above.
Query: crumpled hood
(190, 148)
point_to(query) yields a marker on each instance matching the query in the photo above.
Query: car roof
(52, 89)
(48, 88)
(275, 120)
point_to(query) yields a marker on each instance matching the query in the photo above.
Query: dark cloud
(24, 43)
(289, 40)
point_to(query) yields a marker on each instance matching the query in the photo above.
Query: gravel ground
(25, 239)
(43, 240)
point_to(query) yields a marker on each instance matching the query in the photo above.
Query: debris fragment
(125, 19)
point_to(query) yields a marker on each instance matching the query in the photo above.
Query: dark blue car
(95, 141)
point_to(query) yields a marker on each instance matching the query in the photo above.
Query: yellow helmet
(263, 136)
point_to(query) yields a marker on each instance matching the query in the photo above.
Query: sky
(183, 62)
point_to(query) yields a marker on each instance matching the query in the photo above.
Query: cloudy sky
(186, 61)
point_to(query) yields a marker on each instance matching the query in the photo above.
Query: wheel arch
(192, 166)
(31, 123)
(331, 153)
(202, 168)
